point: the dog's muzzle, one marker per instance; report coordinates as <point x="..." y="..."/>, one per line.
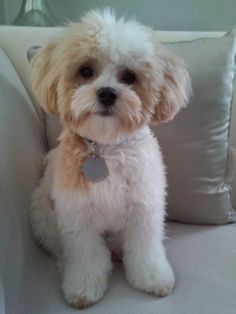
<point x="107" y="96"/>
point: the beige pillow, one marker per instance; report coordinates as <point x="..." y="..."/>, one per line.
<point x="196" y="143"/>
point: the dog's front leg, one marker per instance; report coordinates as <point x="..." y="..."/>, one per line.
<point x="145" y="261"/>
<point x="86" y="265"/>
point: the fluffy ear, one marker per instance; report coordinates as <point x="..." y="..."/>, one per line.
<point x="175" y="90"/>
<point x="45" y="78"/>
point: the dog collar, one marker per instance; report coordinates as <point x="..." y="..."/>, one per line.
<point x="93" y="167"/>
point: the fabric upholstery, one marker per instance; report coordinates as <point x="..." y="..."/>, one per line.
<point x="195" y="144"/>
<point x="203" y="258"/>
<point x="21" y="150"/>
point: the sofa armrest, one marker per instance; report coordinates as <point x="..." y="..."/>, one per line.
<point x="22" y="145"/>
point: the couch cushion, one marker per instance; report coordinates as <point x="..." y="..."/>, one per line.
<point x="195" y="144"/>
<point x="203" y="258"/>
<point x="21" y="151"/>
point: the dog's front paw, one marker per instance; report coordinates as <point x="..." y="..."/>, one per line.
<point x="155" y="278"/>
<point x="84" y="289"/>
<point x="78" y="302"/>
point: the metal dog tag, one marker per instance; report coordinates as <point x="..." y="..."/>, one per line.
<point x="94" y="168"/>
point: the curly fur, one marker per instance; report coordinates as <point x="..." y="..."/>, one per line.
<point x="71" y="216"/>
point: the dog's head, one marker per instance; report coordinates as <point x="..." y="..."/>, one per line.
<point x="105" y="78"/>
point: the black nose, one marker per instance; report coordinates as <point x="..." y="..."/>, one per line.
<point x="107" y="96"/>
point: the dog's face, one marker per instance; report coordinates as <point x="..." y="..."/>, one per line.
<point x="106" y="78"/>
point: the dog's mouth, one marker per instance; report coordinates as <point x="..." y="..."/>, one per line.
<point x="104" y="113"/>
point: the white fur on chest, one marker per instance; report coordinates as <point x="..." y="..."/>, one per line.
<point x="135" y="170"/>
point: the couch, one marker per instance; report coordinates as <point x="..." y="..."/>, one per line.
<point x="203" y="256"/>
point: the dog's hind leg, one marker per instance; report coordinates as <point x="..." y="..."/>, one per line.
<point x="43" y="218"/>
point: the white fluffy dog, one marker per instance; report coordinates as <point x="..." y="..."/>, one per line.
<point x="104" y="185"/>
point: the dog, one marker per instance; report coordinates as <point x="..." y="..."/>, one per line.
<point x="104" y="185"/>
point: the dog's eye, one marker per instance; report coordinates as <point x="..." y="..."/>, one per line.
<point x="128" y="77"/>
<point x="86" y="72"/>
